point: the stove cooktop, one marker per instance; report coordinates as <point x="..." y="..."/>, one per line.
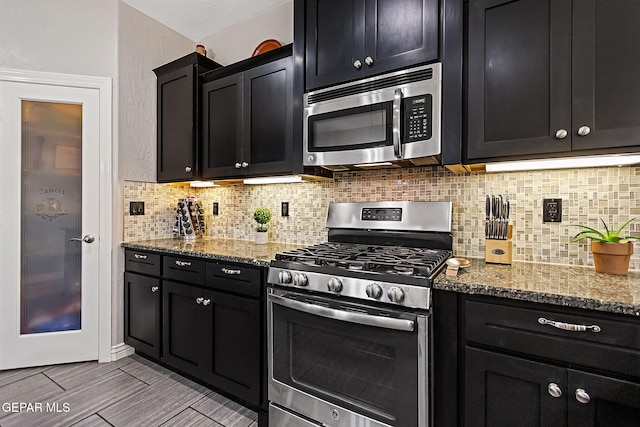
<point x="353" y="259"/>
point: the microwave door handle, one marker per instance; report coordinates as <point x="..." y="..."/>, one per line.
<point x="397" y="144"/>
<point x="346" y="316"/>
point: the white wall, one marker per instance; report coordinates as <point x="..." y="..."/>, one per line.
<point x="63" y="36"/>
<point x="238" y="41"/>
<point x="143" y="44"/>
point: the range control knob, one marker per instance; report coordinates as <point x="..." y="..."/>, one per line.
<point x="334" y="285"/>
<point x="284" y="277"/>
<point x="300" y="279"/>
<point x="395" y="294"/>
<point x="374" y="290"/>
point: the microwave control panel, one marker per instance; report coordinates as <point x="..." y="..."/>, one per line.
<point x="417" y="114"/>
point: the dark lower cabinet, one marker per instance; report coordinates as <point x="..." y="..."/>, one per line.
<point x="142" y="313"/>
<point x="236" y="342"/>
<point x="187" y="325"/>
<point x="210" y="326"/>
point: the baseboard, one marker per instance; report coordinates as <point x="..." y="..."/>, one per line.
<point x="121" y="350"/>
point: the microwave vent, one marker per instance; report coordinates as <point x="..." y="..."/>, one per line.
<point x="372" y="84"/>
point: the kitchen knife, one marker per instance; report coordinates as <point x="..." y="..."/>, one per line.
<point x="487" y="207"/>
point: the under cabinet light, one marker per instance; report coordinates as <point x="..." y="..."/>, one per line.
<point x="202" y="184"/>
<point x="274" y="180"/>
<point x="373" y="165"/>
<point x="564" y="163"/>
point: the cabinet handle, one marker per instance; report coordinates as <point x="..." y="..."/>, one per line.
<point x="199" y="300"/>
<point x="584" y="130"/>
<point x="183" y="263"/>
<point x="187" y="169"/>
<point x="138" y="256"/>
<point x="357" y="64"/>
<point x="229" y="271"/>
<point x="569" y="326"/>
<point x="154" y="289"/>
<point x="245" y="164"/>
<point x="238" y="165"/>
<point x="369" y="61"/>
<point x="561" y="133"/>
<point x="582" y="396"/>
<point x="554" y="390"/>
<point x="206" y="302"/>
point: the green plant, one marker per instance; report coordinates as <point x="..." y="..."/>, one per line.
<point x="608" y="236"/>
<point x="262" y="215"/>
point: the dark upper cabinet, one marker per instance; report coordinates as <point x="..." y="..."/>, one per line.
<point x="347" y="40"/>
<point x="248" y="120"/>
<point x="178" y="109"/>
<point x="552" y="77"/>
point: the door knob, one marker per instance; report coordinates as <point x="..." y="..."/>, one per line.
<point x="584" y="130"/>
<point x="582" y="396"/>
<point x="187" y="169"/>
<point x="561" y="134"/>
<point x="88" y="238"/>
<point x="245" y="164"/>
<point x="554" y="390"/>
<point x="357" y="64"/>
<point x="369" y="61"/>
<point x="238" y="165"/>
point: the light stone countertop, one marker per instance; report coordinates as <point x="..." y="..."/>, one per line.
<point x="568" y="286"/>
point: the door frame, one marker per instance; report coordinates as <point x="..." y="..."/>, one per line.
<point x="104" y="86"/>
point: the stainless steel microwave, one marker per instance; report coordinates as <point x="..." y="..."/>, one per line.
<point x="393" y="118"/>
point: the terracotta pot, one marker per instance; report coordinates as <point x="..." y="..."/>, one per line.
<point x="612" y="258"/>
<point x="261" y="237"/>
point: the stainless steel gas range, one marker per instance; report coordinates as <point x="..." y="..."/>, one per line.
<point x="349" y="320"/>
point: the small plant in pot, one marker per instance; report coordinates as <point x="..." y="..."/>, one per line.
<point x="611" y="251"/>
<point x="262" y="215"/>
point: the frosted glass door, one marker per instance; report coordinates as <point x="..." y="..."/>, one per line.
<point x="51" y="187"/>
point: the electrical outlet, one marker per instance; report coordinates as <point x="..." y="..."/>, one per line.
<point x="551" y="210"/>
<point x="284" y="210"/>
<point x="215" y="209"/>
<point x="136" y="208"/>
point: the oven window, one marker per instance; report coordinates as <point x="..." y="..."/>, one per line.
<point x="354" y="128"/>
<point x="370" y="370"/>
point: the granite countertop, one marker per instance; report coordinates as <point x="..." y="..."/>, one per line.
<point x="242" y="251"/>
<point x="569" y="286"/>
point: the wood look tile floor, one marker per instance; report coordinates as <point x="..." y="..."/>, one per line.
<point x="129" y="392"/>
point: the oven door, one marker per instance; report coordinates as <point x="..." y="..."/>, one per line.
<point x="344" y="364"/>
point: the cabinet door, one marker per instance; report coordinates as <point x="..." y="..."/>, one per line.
<point x="503" y="391"/>
<point x="606" y="66"/>
<point x="186" y="328"/>
<point x="142" y="313"/>
<point x="599" y="401"/>
<point x="519" y="78"/>
<point x="334" y="41"/>
<point x="222" y="127"/>
<point x="177" y="136"/>
<point x="268" y="118"/>
<point x="236" y="346"/>
<point x="399" y="34"/>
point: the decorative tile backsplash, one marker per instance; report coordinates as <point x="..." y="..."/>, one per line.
<point x="612" y="194"/>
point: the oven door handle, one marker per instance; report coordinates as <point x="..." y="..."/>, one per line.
<point x="345" y="316"/>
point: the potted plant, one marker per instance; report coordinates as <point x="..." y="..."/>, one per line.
<point x="611" y="252"/>
<point x="262" y="215"/>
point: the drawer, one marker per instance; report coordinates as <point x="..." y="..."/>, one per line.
<point x="238" y="279"/>
<point x="184" y="269"/>
<point x="142" y="262"/>
<point x="606" y="343"/>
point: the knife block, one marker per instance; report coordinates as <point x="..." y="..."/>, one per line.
<point x="499" y="251"/>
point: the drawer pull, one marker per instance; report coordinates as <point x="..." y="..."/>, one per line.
<point x="554" y="390"/>
<point x="183" y="263"/>
<point x="582" y="396"/>
<point x="229" y="271"/>
<point x="569" y="326"/>
<point x="154" y="289"/>
<point x="138" y="256"/>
